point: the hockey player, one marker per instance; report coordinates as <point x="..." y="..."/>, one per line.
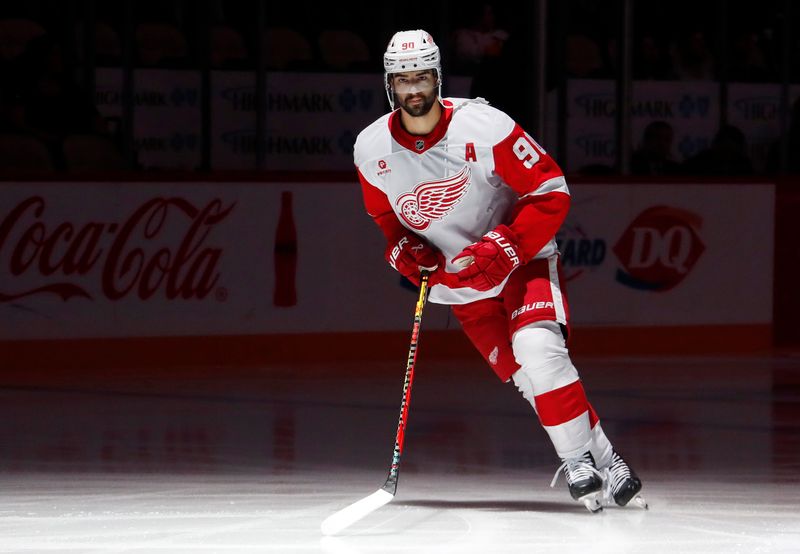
<point x="460" y="190"/>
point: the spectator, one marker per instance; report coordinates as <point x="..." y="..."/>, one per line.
<point x="654" y="156"/>
<point x="491" y="77"/>
<point x="727" y="155"/>
<point x="584" y="60"/>
<point x="774" y="154"/>
<point x="794" y="138"/>
<point x="749" y="62"/>
<point x="692" y="58"/>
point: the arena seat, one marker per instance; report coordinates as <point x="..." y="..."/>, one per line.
<point x="227" y="46"/>
<point x="158" y="44"/>
<point x="91" y="153"/>
<point x="15" y="35"/>
<point x="286" y="48"/>
<point x="24" y="153"/>
<point x="343" y="50"/>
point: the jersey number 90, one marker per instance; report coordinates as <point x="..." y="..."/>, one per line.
<point x="527" y="150"/>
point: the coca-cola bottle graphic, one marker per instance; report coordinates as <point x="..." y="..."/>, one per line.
<point x="285" y="293"/>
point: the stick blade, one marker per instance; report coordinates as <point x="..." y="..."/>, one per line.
<point x="354" y="512"/>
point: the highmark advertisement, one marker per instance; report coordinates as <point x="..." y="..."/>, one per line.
<point x="311" y="122"/>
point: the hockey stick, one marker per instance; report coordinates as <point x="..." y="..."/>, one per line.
<point x="356" y="511"/>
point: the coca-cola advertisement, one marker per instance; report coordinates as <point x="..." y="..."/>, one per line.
<point x="86" y="260"/>
<point x="135" y="256"/>
<point x="107" y="260"/>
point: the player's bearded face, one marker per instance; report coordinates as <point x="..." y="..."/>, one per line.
<point x="415" y="92"/>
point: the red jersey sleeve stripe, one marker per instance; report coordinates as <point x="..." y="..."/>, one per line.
<point x="375" y="201"/>
<point x="556" y="184"/>
<point x="522" y="164"/>
<point x="379" y="208"/>
<point x="536" y="219"/>
<point x="537" y="179"/>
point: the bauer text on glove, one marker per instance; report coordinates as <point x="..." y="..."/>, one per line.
<point x="409" y="255"/>
<point x="489" y="261"/>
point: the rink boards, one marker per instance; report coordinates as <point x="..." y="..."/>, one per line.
<point x="271" y="265"/>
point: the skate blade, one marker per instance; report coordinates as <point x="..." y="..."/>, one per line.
<point x="593" y="501"/>
<point x="640" y="502"/>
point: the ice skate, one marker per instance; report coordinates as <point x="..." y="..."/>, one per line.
<point x="621" y="484"/>
<point x="584" y="481"/>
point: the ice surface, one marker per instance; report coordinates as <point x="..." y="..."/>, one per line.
<point x="254" y="463"/>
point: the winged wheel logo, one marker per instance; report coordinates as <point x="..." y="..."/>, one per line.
<point x="431" y="200"/>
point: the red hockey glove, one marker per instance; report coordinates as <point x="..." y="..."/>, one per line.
<point x="409" y="255"/>
<point x="489" y="261"/>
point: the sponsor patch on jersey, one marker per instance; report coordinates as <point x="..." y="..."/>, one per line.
<point x="432" y="200"/>
<point x="383" y="168"/>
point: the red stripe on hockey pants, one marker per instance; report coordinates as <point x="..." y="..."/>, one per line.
<point x="563" y="404"/>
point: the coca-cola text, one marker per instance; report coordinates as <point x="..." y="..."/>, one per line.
<point x="135" y="256"/>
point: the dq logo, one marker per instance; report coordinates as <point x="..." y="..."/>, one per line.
<point x="659" y="248"/>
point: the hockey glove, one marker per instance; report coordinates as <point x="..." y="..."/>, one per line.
<point x="489" y="261"/>
<point x="409" y="255"/>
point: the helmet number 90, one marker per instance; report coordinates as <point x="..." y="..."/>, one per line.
<point x="526" y="151"/>
<point x="407" y="46"/>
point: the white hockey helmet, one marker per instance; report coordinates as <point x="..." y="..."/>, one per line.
<point x="411" y="51"/>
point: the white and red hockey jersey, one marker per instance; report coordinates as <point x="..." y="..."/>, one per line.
<point x="477" y="169"/>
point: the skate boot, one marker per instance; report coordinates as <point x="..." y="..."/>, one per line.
<point x="621" y="483"/>
<point x="584" y="481"/>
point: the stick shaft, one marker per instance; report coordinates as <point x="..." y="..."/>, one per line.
<point x="358" y="510"/>
<point x="391" y="482"/>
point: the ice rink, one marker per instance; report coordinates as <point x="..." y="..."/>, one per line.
<point x="253" y="462"/>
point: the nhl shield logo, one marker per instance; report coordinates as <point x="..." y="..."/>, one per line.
<point x="420" y="144"/>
